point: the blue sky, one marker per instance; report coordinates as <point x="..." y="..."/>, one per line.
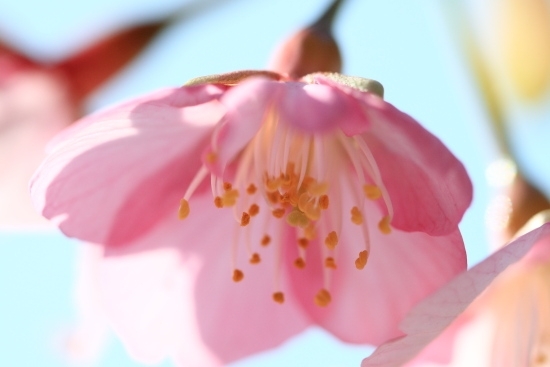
<point x="404" y="45"/>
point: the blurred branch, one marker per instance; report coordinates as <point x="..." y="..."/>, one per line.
<point x="461" y="26"/>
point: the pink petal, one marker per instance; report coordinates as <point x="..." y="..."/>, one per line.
<point x="307" y="107"/>
<point x="116" y="173"/>
<point x="429" y="188"/>
<point x="367" y="305"/>
<point x="171" y="293"/>
<point x="87" y="338"/>
<point x="429" y="318"/>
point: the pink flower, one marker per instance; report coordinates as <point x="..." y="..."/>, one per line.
<point x="325" y="205"/>
<point x="506" y="325"/>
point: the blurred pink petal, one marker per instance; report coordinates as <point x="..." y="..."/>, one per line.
<point x="282" y="189"/>
<point x="514" y="307"/>
<point x="171" y="293"/>
<point x="34" y="106"/>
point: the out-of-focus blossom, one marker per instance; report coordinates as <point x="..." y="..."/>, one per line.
<point x="523" y="31"/>
<point x="35" y="104"/>
<point x="37" y="100"/>
<point x="464" y="324"/>
<point x="308" y="201"/>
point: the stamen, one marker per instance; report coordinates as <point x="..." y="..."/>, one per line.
<point x="331" y="240"/>
<point x="323" y="202"/>
<point x="227" y="186"/>
<point x="278" y="213"/>
<point x="300" y="263"/>
<point x="251" y="189"/>
<point x="330" y="263"/>
<point x="229" y="197"/>
<point x="255" y="258"/>
<point x="183" y="211"/>
<point x="318" y="188"/>
<point x="356" y="216"/>
<point x="297" y="219"/>
<point x="266" y="240"/>
<point x="312" y="212"/>
<point x="303" y="242"/>
<point x="384" y="225"/>
<point x="361" y="260"/>
<point x="245" y="219"/>
<point x="279" y="297"/>
<point x="323" y="298"/>
<point x="218" y="202"/>
<point x="372" y="192"/>
<point x="253" y="210"/>
<point x="237" y="275"/>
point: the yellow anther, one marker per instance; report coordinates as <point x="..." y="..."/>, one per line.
<point x="245" y="219"/>
<point x="312" y="212"/>
<point x="331" y="240"/>
<point x="278" y="213"/>
<point x="272" y="184"/>
<point x="299" y="263"/>
<point x="330" y="263"/>
<point x="251" y="189"/>
<point x="384" y="225"/>
<point x="227" y="186"/>
<point x="302" y="201"/>
<point x="303" y="242"/>
<point x="211" y="157"/>
<point x="322" y="298"/>
<point x="218" y="202"/>
<point x="356" y="216"/>
<point x="237" y="275"/>
<point x="361" y="260"/>
<point x="228" y="201"/>
<point x="229" y="197"/>
<point x="372" y="192"/>
<point x="279" y="297"/>
<point x="297" y="219"/>
<point x="255" y="258"/>
<point x="318" y="188"/>
<point x="265" y="240"/>
<point x="253" y="210"/>
<point x="183" y="211"/>
<point x="231" y="193"/>
<point x="323" y="202"/>
<point x="290" y="197"/>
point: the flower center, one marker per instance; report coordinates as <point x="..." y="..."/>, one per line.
<point x="299" y="179"/>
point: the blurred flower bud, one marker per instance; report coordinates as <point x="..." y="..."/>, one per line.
<point x="519" y="202"/>
<point x="312" y="49"/>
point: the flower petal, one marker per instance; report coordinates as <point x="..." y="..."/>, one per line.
<point x="367" y="305"/>
<point x="131" y="164"/>
<point x="171" y="293"/>
<point x="429" y="188"/>
<point x="310" y="108"/>
<point x="430" y="317"/>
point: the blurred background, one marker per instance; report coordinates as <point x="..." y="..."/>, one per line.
<point x="449" y="64"/>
